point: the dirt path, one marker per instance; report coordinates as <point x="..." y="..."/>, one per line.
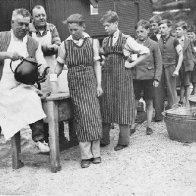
<point x="151" y="166"/>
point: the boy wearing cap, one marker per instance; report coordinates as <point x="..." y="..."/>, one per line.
<point x="80" y="53"/>
<point x="117" y="101"/>
<point x="188" y="64"/>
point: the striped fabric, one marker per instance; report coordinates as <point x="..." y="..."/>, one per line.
<point x="82" y="87"/>
<point x="117" y="102"/>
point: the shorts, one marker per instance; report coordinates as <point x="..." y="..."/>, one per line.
<point x="144" y="88"/>
<point x="185" y="78"/>
<point x="193" y="75"/>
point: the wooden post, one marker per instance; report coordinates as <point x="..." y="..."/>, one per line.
<point x="53" y="135"/>
<point x="16" y="150"/>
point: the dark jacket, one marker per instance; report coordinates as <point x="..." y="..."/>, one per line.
<point x="188" y="55"/>
<point x="151" y="68"/>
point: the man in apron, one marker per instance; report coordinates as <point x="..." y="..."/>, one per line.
<point x="47" y="35"/>
<point x="117" y="101"/>
<point x="80" y="53"/>
<point x="20" y="104"/>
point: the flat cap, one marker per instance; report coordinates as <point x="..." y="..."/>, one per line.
<point x="74" y="18"/>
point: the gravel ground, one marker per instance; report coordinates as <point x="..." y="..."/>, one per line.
<point x="151" y="166"/>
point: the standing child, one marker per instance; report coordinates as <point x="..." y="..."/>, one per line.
<point x="172" y="57"/>
<point x="80" y="54"/>
<point x="159" y="91"/>
<point x="117" y="102"/>
<point x="147" y="74"/>
<point x="188" y="64"/>
<point x="191" y="35"/>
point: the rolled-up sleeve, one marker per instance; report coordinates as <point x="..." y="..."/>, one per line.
<point x="61" y="54"/>
<point x="131" y="46"/>
<point x="96" y="56"/>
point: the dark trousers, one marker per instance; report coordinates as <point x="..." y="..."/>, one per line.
<point x="37" y="130"/>
<point x="159" y="99"/>
<point x="170" y="83"/>
<point x="40" y="132"/>
<point x="124" y="134"/>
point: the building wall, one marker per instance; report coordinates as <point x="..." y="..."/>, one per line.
<point x="129" y="11"/>
<point x="57" y="11"/>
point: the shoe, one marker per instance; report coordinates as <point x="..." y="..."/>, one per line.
<point x="149" y="131"/>
<point x="104" y="145"/>
<point x="158" y="120"/>
<point x="43" y="146"/>
<point x="96" y="160"/>
<point x="180" y="102"/>
<point x="132" y="131"/>
<point x="85" y="163"/>
<point x="119" y="147"/>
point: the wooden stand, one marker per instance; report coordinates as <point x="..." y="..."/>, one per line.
<point x="57" y="108"/>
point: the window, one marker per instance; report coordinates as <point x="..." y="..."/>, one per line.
<point x="94" y="10"/>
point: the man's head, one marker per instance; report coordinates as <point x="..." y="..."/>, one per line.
<point x="39" y="16"/>
<point x="181" y="28"/>
<point x="20" y="22"/>
<point x="110" y="22"/>
<point x="142" y="29"/>
<point x="154" y="23"/>
<point x="76" y="25"/>
<point x="165" y="27"/>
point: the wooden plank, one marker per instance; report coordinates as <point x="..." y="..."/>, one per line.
<point x="16" y="150"/>
<point x="54" y="135"/>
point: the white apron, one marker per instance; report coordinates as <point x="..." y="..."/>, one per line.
<point x="19" y="103"/>
<point x="62" y="84"/>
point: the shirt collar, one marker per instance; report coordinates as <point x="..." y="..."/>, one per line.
<point x="32" y="28"/>
<point x="144" y="41"/>
<point x="13" y="37"/>
<point x="116" y="33"/>
<point x="85" y="35"/>
<point x="181" y="38"/>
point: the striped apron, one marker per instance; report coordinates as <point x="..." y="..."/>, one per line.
<point x="82" y="86"/>
<point x="117" y="101"/>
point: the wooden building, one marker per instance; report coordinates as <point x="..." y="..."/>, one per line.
<point x="129" y="11"/>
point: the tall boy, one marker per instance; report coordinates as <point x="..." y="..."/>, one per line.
<point x="147" y="74"/>
<point x="159" y="91"/>
<point x="117" y="101"/>
<point x="188" y="64"/>
<point x="172" y="57"/>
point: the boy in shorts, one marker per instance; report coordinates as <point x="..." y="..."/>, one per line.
<point x="187" y="64"/>
<point x="147" y="74"/>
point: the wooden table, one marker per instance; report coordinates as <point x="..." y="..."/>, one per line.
<point x="57" y="107"/>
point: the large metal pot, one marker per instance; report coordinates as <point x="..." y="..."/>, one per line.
<point x="181" y="124"/>
<point x="192" y="101"/>
<point x="27" y="71"/>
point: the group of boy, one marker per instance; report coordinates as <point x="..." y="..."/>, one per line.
<point x="144" y="67"/>
<point x="171" y="60"/>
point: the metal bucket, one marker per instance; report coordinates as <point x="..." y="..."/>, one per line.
<point x="192" y="101"/>
<point x="181" y="124"/>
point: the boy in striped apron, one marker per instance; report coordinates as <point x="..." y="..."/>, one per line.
<point x="80" y="54"/>
<point x="117" y="101"/>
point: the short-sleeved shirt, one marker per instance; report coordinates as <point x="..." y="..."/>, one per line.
<point x="62" y="52"/>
